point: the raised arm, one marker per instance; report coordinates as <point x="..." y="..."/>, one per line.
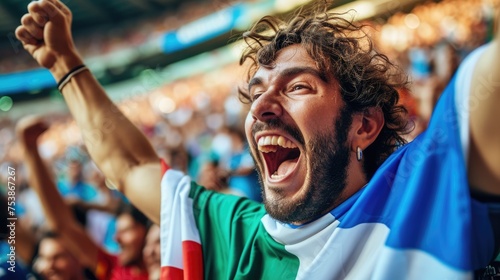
<point x="484" y="156"/>
<point x="119" y="149"/>
<point x="59" y="215"/>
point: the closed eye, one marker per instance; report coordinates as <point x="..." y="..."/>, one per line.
<point x="298" y="87"/>
<point x="255" y="96"/>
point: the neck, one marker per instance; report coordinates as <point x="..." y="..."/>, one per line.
<point x="356" y="180"/>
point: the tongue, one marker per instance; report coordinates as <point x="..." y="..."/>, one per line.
<point x="286" y="166"/>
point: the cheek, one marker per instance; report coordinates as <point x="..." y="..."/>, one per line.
<point x="248" y="125"/>
<point x="319" y="120"/>
<point x="249" y="121"/>
<point x="156" y="250"/>
<point x="146" y="251"/>
<point x="127" y="238"/>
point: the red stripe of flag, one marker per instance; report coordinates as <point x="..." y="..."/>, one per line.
<point x="192" y="259"/>
<point x="171" y="273"/>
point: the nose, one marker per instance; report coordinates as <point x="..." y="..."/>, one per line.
<point x="266" y="107"/>
<point x="118" y="237"/>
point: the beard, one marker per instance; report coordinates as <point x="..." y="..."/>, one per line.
<point x="328" y="156"/>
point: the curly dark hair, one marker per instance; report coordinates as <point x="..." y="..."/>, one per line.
<point x="367" y="78"/>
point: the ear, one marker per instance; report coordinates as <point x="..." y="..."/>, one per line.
<point x="366" y="127"/>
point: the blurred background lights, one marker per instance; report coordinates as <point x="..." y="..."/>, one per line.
<point x="6" y="103"/>
<point x="166" y="105"/>
<point x="412" y="21"/>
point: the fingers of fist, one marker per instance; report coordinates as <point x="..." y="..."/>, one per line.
<point x="39" y="13"/>
<point x="25" y="36"/>
<point x="31" y="127"/>
<point x="31" y="27"/>
<point x="48" y="9"/>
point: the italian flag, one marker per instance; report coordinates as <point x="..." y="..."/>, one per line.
<point x="181" y="254"/>
<point x="208" y="235"/>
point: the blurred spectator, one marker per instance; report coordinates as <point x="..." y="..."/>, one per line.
<point x="212" y="177"/>
<point x="420" y="63"/>
<point x="31" y="209"/>
<point x="74" y="186"/>
<point x="131" y="229"/>
<point x="55" y="262"/>
<point x="151" y="252"/>
<point x="101" y="213"/>
<point x="131" y="224"/>
<point x="239" y="164"/>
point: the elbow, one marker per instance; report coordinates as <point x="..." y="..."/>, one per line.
<point x="117" y="169"/>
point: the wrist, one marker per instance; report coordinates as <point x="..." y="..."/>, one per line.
<point x="30" y="147"/>
<point x="64" y="64"/>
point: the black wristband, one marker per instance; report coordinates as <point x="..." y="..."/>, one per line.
<point x="69" y="75"/>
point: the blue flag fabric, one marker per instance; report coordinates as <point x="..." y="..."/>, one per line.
<point x="421" y="193"/>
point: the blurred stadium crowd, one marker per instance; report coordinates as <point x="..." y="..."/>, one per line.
<point x="129" y="34"/>
<point x="195" y="123"/>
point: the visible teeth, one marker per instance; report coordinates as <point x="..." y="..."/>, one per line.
<point x="276" y="176"/>
<point x="266" y="143"/>
<point x="268" y="149"/>
<point x="282" y="141"/>
<point x="274" y="140"/>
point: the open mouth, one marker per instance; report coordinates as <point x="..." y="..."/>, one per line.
<point x="280" y="154"/>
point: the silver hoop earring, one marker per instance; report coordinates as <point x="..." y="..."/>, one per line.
<point x="359" y="154"/>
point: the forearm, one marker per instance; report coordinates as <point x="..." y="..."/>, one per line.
<point x="113" y="142"/>
<point x="57" y="212"/>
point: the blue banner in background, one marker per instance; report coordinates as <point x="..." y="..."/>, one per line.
<point x="26" y="81"/>
<point x="191" y="34"/>
<point x="196" y="32"/>
<point x="202" y="29"/>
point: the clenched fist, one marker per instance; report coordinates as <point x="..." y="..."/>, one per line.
<point x="29" y="129"/>
<point x="45" y="32"/>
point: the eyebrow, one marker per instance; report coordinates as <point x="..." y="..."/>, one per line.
<point x="290" y="72"/>
<point x="254" y="82"/>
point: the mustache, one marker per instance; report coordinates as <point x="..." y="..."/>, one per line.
<point x="278" y="125"/>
